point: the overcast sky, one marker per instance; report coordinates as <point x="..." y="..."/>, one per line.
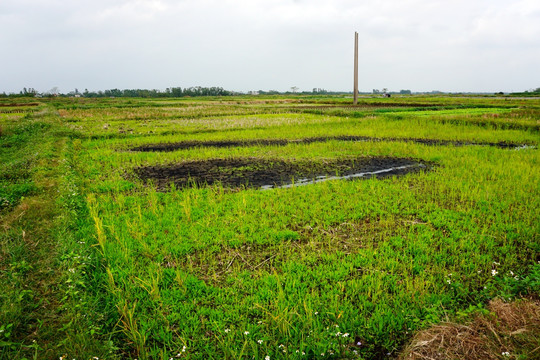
<point x="422" y="45"/>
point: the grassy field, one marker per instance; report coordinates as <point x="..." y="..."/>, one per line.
<point x="172" y="266"/>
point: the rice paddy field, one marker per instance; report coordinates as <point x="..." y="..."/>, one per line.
<point x="297" y="227"/>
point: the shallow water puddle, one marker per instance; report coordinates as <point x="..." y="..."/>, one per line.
<point x="525" y="147"/>
<point x="400" y="170"/>
<point x="273" y="173"/>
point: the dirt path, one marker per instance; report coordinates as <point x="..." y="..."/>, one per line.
<point x="28" y="260"/>
<point x="40" y="308"/>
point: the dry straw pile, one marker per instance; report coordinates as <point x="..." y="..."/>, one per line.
<point x="510" y="331"/>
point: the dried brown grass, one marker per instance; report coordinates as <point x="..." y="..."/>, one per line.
<point x="510" y="331"/>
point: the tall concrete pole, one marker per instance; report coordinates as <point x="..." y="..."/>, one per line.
<point x="355" y="96"/>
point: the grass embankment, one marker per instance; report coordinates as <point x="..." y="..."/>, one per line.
<point x="44" y="310"/>
<point x="342" y="268"/>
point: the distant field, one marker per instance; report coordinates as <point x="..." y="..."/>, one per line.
<point x="301" y="227"/>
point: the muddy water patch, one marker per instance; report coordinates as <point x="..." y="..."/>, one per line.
<point x="525" y="147"/>
<point x="185" y="145"/>
<point x="391" y="171"/>
<point x="270" y="173"/>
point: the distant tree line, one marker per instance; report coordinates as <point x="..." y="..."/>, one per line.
<point x="140" y="93"/>
<point x="174" y="92"/>
<point x="531" y="92"/>
<point x="209" y="91"/>
<point x="169" y="92"/>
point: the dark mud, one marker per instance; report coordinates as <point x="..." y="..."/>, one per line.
<point x="184" y="145"/>
<point x="366" y="105"/>
<point x="18" y="104"/>
<point x="268" y="173"/>
<point x="17" y="111"/>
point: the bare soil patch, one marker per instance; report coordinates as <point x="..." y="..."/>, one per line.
<point x="183" y="145"/>
<point x="295" y="244"/>
<point x="267" y="173"/>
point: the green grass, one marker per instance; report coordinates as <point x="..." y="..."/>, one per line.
<point x="211" y="272"/>
<point x="45" y="309"/>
